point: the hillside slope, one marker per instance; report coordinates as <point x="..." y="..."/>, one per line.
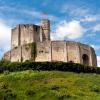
<point x="49" y="85"/>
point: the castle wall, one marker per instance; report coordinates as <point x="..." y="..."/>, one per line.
<point x="15" y="37"/>
<point x="43" y="51"/>
<point x="85" y="49"/>
<point x="53" y="51"/>
<point x="73" y="52"/>
<point x="26" y="33"/>
<point x="29" y="33"/>
<point x="16" y="54"/>
<point x="26" y="52"/>
<point x="7" y="56"/>
<point x="93" y="56"/>
<point x="23" y="35"/>
<point x="59" y="51"/>
<point x="36" y="33"/>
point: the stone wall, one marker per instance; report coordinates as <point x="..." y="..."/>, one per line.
<point x="36" y="30"/>
<point x="29" y="33"/>
<point x="26" y="52"/>
<point x="46" y="50"/>
<point x="85" y="49"/>
<point x="45" y="25"/>
<point x="73" y="53"/>
<point x="21" y="53"/>
<point x="54" y="51"/>
<point x="24" y="34"/>
<point x="15" y="34"/>
<point x="16" y="54"/>
<point x="7" y="56"/>
<point x="93" y="56"/>
<point x="59" y="51"/>
<point x="43" y="51"/>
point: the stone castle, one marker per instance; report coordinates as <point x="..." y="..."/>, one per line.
<point x="23" y="36"/>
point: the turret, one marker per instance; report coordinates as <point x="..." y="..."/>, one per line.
<point x="45" y="27"/>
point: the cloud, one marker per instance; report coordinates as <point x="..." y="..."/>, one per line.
<point x="70" y="30"/>
<point x="90" y="18"/>
<point x="82" y="13"/>
<point x="96" y="47"/>
<point x="5" y="35"/>
<point x="96" y="28"/>
<point x="98" y="60"/>
<point x="75" y="10"/>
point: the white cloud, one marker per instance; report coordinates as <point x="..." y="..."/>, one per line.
<point x="96" y="47"/>
<point x="75" y="10"/>
<point x="96" y="28"/>
<point x="5" y="35"/>
<point x="98" y="60"/>
<point x="82" y="13"/>
<point x="70" y="30"/>
<point x="90" y="18"/>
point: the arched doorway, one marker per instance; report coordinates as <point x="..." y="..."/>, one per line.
<point x="85" y="59"/>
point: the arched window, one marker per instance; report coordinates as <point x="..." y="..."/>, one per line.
<point x="85" y="59"/>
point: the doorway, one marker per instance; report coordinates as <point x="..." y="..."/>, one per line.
<point x="85" y="59"/>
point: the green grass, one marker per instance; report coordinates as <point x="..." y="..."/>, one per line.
<point x="49" y="85"/>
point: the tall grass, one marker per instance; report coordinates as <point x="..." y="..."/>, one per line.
<point x="49" y="85"/>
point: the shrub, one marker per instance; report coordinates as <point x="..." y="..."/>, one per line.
<point x="9" y="95"/>
<point x="61" y="66"/>
<point x="95" y="89"/>
<point x="6" y="72"/>
<point x="30" y="93"/>
<point x="4" y="86"/>
<point x="55" y="87"/>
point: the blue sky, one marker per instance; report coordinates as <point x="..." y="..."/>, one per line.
<point x="77" y="20"/>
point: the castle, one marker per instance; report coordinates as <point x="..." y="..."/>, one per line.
<point x="32" y="42"/>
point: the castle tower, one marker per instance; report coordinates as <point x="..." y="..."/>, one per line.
<point x="23" y="34"/>
<point x="45" y="27"/>
<point x="15" y="37"/>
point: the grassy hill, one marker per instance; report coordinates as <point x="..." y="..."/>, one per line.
<point x="49" y="85"/>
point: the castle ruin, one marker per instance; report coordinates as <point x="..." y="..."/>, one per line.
<point x="32" y="42"/>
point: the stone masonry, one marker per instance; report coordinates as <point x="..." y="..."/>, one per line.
<point x="46" y="50"/>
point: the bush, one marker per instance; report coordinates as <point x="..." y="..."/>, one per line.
<point x="9" y="95"/>
<point x="6" y="72"/>
<point x="55" y="88"/>
<point x="95" y="89"/>
<point x="61" y="66"/>
<point x="30" y="93"/>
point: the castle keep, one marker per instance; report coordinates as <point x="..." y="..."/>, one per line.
<point x="32" y="42"/>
